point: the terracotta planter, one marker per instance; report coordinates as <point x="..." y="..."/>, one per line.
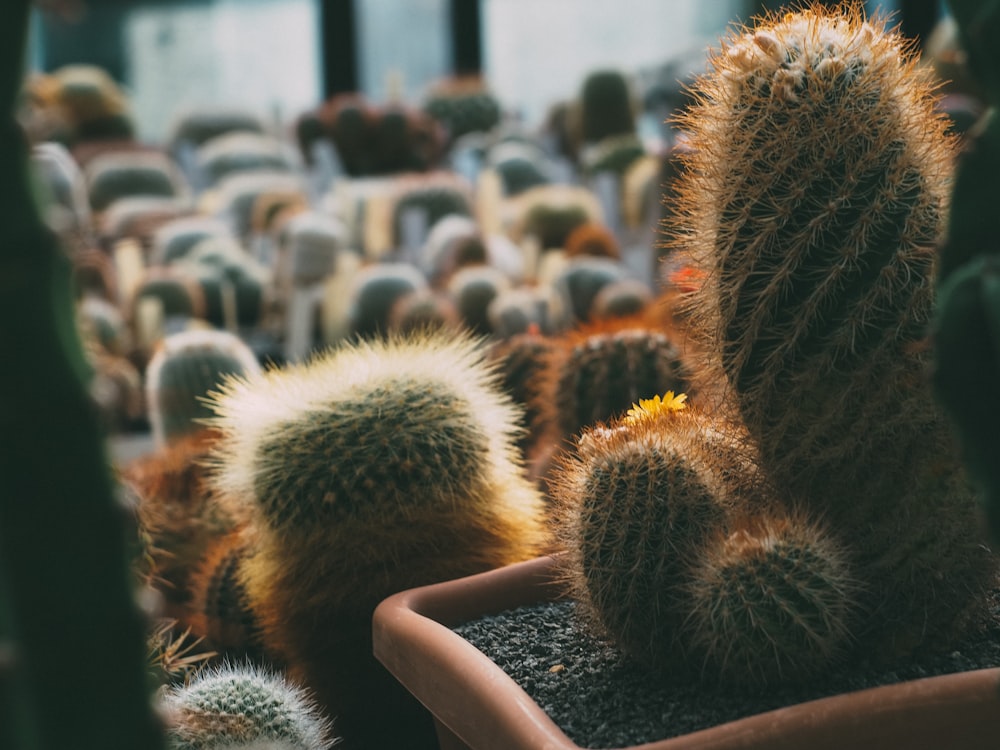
<point x="476" y="705"/>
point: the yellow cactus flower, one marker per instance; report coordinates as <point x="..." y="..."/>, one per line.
<point x="650" y="408"/>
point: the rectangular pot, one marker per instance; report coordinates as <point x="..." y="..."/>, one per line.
<point x="477" y="706"/>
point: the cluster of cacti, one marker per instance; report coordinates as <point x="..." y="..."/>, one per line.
<point x="811" y="202"/>
<point x="186" y="367"/>
<point x="965" y="342"/>
<point x="243" y="707"/>
<point x="462" y="107"/>
<point x="372" y="139"/>
<point x="373" y="468"/>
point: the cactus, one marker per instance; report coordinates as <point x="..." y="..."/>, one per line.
<point x="379" y="466"/>
<point x="177" y="515"/>
<point x="592" y="239"/>
<point x="774" y="601"/>
<point x="436" y="199"/>
<point x="813" y="196"/>
<point x="582" y="280"/>
<point x="243" y="707"/>
<point x="183" y="370"/>
<point x="518" y="174"/>
<point x="636" y="501"/>
<point x="520" y="360"/>
<point x="421" y="310"/>
<point x="613" y="154"/>
<point x="627" y="298"/>
<point x="62" y="541"/>
<point x="374" y="291"/>
<point x="965" y="325"/>
<point x="473" y="289"/>
<point x="595" y="373"/>
<point x="239" y="152"/>
<point x="605" y="106"/>
<point x="220" y="610"/>
<point x="114" y="176"/>
<point x="463" y="106"/>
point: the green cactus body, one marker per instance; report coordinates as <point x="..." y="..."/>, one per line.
<point x="179" y="293"/>
<point x="380" y="466"/>
<point x="637" y="501"/>
<point x="464" y="112"/>
<point x="771" y="603"/>
<point x="374" y="292"/>
<point x="606" y="107"/>
<point x="813" y="197"/>
<point x="600" y="371"/>
<point x="436" y="200"/>
<point x="582" y="280"/>
<point x="183" y="370"/>
<point x="521" y="360"/>
<point x="518" y="174"/>
<point x="231" y="707"/>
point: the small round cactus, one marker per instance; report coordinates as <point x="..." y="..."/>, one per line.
<point x="773" y="601"/>
<point x="232" y="707"/>
<point x="185" y="367"/>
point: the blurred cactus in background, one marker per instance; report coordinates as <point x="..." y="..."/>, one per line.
<point x="62" y="531"/>
<point x="966" y="334"/>
<point x="186" y="367"/>
<point x="462" y="106"/>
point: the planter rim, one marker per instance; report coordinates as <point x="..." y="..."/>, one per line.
<point x="477" y="701"/>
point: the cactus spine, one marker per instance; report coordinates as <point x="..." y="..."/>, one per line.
<point x="243" y="707"/>
<point x="813" y="198"/>
<point x="380" y="466"/>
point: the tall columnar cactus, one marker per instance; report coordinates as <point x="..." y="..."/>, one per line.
<point x="967" y="316"/>
<point x="377" y="467"/>
<point x="244" y="707"/>
<point x="184" y="369"/>
<point x="813" y="197"/>
<point x="595" y="373"/>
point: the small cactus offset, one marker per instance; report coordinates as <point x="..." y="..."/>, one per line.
<point x="185" y="367"/>
<point x="243" y="707"/>
<point x="377" y="467"/>
<point x="813" y="198"/>
<point x="773" y="601"/>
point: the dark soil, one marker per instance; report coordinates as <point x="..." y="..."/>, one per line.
<point x="600" y="699"/>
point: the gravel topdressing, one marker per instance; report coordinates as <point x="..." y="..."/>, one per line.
<point x="600" y="699"/>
